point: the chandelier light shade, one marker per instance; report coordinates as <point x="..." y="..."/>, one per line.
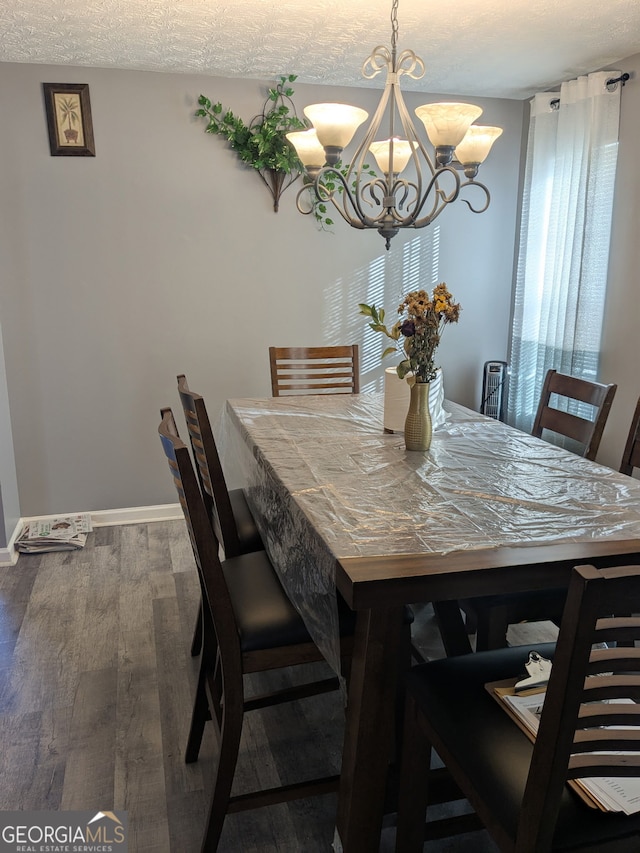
<point x="392" y="155"/>
<point x="475" y="146"/>
<point x="335" y="126"/>
<point x="310" y="152"/>
<point x="446" y="124"/>
<point x="416" y="182"/>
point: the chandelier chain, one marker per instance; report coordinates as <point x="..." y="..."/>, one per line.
<point x="394" y="25"/>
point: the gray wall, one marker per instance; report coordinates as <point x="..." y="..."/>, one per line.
<point x="162" y="255"/>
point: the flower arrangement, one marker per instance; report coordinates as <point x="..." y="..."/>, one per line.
<point x="418" y="331"/>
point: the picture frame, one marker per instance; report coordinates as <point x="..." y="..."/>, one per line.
<point x="68" y="110"/>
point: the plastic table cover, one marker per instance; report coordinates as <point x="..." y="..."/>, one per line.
<point x="324" y="482"/>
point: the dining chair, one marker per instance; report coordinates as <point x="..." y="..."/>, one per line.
<point x="314" y="370"/>
<point x="631" y="455"/>
<point x="249" y="625"/>
<point x="233" y="524"/>
<point x="490" y="617"/>
<point x="588" y="728"/>
<point x="586" y="431"/>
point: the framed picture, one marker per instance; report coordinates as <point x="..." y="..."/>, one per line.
<point x="69" y="119"/>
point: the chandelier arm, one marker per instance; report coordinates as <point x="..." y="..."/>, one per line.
<point x="402" y="186"/>
<point x="379" y="59"/>
<point x="409" y="63"/>
<point x="309" y="190"/>
<point x="373" y="188"/>
<point x="429" y="218"/>
<point x="304" y="192"/>
<point x="356" y="167"/>
<point x="406" y="188"/>
<point x="324" y="195"/>
<point x="472" y="183"/>
<point x="355" y="192"/>
<point x="441" y="198"/>
<point x="419" y="155"/>
<point x="354" y="202"/>
<point x="418" y="146"/>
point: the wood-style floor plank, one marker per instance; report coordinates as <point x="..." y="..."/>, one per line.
<point x="90" y="760"/>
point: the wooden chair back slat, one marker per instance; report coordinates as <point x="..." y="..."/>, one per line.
<point x="314" y="370"/>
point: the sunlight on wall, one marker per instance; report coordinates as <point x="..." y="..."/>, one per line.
<point x="382" y="282"/>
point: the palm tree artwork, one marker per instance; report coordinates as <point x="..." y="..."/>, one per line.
<point x="69" y="109"/>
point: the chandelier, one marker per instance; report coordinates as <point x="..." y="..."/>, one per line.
<point x="416" y="186"/>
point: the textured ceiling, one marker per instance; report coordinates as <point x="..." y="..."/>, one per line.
<point x="496" y="48"/>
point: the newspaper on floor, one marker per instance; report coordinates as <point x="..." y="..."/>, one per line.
<point x="63" y="533"/>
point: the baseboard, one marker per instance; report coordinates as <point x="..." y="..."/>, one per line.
<point x="136" y="515"/>
<point x="9" y="555"/>
<point x="102" y="518"/>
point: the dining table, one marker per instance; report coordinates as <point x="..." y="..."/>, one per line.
<point x="345" y="510"/>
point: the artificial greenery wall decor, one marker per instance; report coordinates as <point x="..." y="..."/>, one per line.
<point x="262" y="143"/>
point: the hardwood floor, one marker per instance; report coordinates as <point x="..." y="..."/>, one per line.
<point x="96" y="685"/>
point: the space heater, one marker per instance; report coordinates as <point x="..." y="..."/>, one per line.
<point x="494" y="389"/>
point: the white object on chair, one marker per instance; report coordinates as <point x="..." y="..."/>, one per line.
<point x="539" y="670"/>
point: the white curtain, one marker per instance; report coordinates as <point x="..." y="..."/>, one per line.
<point x="564" y="238"/>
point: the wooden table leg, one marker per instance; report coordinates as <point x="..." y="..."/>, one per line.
<point x="369" y="730"/>
<point x="452" y="629"/>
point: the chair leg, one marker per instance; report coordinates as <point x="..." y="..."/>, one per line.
<point x="345" y="668"/>
<point x="196" y="642"/>
<point x="199" y="717"/>
<point x="223" y="780"/>
<point x="470" y="616"/>
<point x="452" y="628"/>
<point x="404" y="665"/>
<point x="413" y="788"/>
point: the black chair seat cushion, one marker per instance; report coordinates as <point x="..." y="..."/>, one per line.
<point x="266" y="617"/>
<point x="484" y="740"/>
<point x="247" y="531"/>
